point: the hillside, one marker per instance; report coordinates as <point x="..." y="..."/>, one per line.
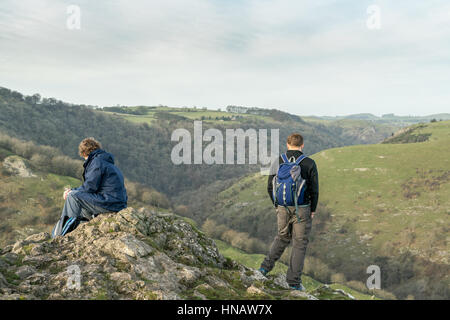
<point x="136" y="254"/>
<point x="386" y="204"/>
<point x="32" y="181"/>
<point x="30" y="201"/>
<point x="142" y="151"/>
<point x="366" y="131"/>
<point x="142" y="146"/>
<point x="349" y="130"/>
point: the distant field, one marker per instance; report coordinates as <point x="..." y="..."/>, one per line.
<point x="188" y="113"/>
<point x="363" y="131"/>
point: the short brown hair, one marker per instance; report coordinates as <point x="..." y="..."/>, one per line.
<point x="295" y="140"/>
<point x="87" y="146"/>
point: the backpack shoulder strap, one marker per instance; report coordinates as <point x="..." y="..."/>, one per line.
<point x="300" y="159"/>
<point x="284" y="157"/>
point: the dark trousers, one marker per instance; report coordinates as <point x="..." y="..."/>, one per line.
<point x="297" y="230"/>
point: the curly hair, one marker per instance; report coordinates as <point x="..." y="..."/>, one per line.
<point x="87" y="146"/>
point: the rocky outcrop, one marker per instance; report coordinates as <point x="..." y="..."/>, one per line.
<point x="133" y="254"/>
<point x="16" y="165"/>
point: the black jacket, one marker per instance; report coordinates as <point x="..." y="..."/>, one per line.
<point x="309" y="173"/>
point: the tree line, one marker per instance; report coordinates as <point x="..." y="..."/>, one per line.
<point x="49" y="159"/>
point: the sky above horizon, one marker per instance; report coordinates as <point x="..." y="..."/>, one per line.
<point x="304" y="57"/>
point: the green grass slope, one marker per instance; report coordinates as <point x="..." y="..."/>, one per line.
<point x="254" y="261"/>
<point x="29" y="205"/>
<point x="390" y="205"/>
<point x="384" y="204"/>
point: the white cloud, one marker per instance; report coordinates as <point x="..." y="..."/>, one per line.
<point x="306" y="57"/>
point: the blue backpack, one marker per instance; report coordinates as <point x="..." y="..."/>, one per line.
<point x="288" y="185"/>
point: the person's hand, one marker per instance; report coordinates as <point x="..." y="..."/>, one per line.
<point x="312" y="215"/>
<point x="66" y="193"/>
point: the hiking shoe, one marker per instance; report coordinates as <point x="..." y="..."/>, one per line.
<point x="299" y="287"/>
<point x="263" y="271"/>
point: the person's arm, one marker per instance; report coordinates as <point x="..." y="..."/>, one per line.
<point x="314" y="187"/>
<point x="66" y="193"/>
<point x="272" y="173"/>
<point x="93" y="177"/>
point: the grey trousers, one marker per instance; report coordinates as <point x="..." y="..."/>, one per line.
<point x="78" y="208"/>
<point x="75" y="211"/>
<point x="289" y="228"/>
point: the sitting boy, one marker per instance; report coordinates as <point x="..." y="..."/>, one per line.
<point x="103" y="189"/>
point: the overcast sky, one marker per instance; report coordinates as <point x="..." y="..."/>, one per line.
<point x="305" y="57"/>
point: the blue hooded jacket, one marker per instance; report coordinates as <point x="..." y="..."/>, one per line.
<point x="103" y="184"/>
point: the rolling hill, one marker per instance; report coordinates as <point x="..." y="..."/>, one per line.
<point x="141" y="145"/>
<point x="386" y="209"/>
<point x="386" y="119"/>
<point x="385" y="204"/>
<point x="352" y="130"/>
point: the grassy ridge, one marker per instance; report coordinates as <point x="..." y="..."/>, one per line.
<point x="143" y="151"/>
<point x="385" y="204"/>
<point x="390" y="204"/>
<point x="151" y="114"/>
<point x="385" y="190"/>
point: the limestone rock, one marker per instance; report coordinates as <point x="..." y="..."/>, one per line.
<point x="252" y="290"/>
<point x="301" y="294"/>
<point x="25" y="271"/>
<point x="18" y="166"/>
<point x="132" y="254"/>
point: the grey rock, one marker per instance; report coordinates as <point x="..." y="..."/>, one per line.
<point x="6" y="249"/>
<point x="345" y="294"/>
<point x="3" y="282"/>
<point x="11" y="258"/>
<point x="3" y="263"/>
<point x="39" y="260"/>
<point x="120" y="277"/>
<point x="25" y="271"/>
<point x="133" y="254"/>
<point x="301" y="294"/>
<point x="280" y="280"/>
<point x="39" y="237"/>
